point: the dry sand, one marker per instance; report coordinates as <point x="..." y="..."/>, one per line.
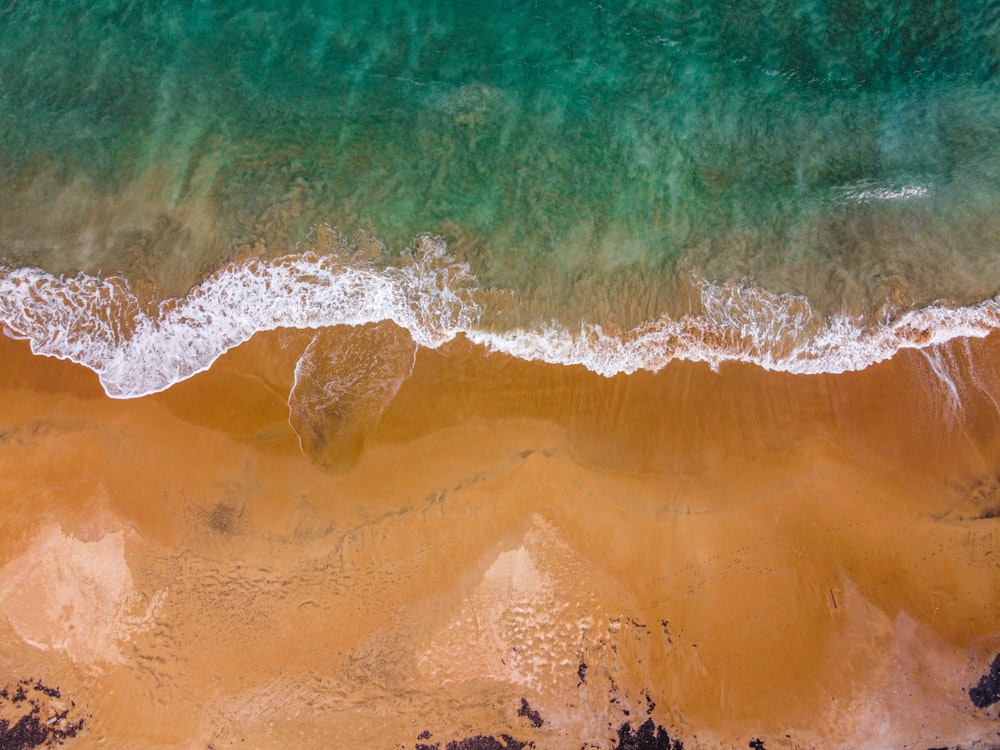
<point x="811" y="561"/>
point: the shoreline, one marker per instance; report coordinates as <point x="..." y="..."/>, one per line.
<point x="506" y="523"/>
<point x="141" y="345"/>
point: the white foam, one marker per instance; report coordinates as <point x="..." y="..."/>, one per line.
<point x="101" y="323"/>
<point x="776" y="332"/>
<point x="872" y="191"/>
<point x="946" y="371"/>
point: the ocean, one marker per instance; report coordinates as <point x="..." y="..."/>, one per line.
<point x="735" y="257"/>
<point x="807" y="186"/>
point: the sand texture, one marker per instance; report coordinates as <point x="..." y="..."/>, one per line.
<point x="523" y="553"/>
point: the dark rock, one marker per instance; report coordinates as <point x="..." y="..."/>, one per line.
<point x="647" y="737"/>
<point x="530" y="714"/>
<point x="581" y="672"/>
<point x="987" y="690"/>
<point x="39" y="723"/>
<point x="650" y="705"/>
<point x="424" y="735"/>
<point x="511" y="744"/>
<point x="27" y="732"/>
<point x="45" y="690"/>
<point x="756" y="744"/>
<point x="481" y="742"/>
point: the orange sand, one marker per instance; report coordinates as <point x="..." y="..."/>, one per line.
<point x="807" y="560"/>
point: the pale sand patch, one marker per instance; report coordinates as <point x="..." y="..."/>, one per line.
<point x="75" y="596"/>
<point x="515" y="603"/>
<point x="544" y="623"/>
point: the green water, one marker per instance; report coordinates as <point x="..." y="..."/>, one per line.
<point x="773" y="141"/>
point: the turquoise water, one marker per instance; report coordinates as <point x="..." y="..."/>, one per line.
<point x="848" y="150"/>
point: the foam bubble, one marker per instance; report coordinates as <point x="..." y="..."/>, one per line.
<point x="138" y="349"/>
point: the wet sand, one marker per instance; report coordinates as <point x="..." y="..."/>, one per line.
<point x="805" y="560"/>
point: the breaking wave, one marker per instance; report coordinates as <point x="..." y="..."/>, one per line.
<point x="138" y="347"/>
<point x="751" y="325"/>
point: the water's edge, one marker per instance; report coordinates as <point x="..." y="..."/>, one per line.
<point x="139" y="347"/>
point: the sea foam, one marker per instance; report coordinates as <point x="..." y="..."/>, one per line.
<point x="135" y="350"/>
<point x="139" y="348"/>
<point x="751" y="325"/>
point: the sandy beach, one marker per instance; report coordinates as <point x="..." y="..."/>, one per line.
<point x="524" y="552"/>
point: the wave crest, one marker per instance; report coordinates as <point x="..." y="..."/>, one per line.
<point x="138" y="348"/>
<point x="750" y="325"/>
<point x="104" y="325"/>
